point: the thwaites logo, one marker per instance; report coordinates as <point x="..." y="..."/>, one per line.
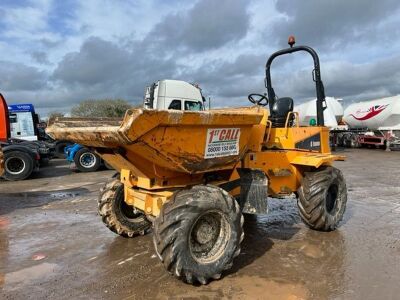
<point x="310" y="143"/>
<point x="222" y="142"/>
<point x="371" y="112"/>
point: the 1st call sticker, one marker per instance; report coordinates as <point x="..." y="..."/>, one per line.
<point x="222" y="142"/>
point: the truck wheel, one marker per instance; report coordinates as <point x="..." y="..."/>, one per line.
<point x="354" y="143"/>
<point x="322" y="198"/>
<point x="118" y="216"/>
<point x="59" y="149"/>
<point x="86" y="160"/>
<point x="18" y="165"/>
<point x="198" y="233"/>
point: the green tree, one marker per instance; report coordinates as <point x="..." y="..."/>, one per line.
<point x="111" y="108"/>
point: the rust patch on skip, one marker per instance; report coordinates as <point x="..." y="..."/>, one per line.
<point x="199" y="164"/>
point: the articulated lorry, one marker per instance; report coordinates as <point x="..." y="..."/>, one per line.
<point x="20" y="158"/>
<point x="25" y="125"/>
<point x="374" y="123"/>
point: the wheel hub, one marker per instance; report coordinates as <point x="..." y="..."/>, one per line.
<point x="87" y="160"/>
<point x="209" y="236"/>
<point x="128" y="211"/>
<point x="14" y="165"/>
<point x="206" y="230"/>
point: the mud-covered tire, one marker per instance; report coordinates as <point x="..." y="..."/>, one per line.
<point x="18" y="165"/>
<point x="322" y="198"/>
<point x="198" y="233"/>
<point x="118" y="216"/>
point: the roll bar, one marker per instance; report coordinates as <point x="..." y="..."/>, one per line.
<point x="321" y="105"/>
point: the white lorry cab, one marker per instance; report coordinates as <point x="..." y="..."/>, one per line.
<point x="173" y="94"/>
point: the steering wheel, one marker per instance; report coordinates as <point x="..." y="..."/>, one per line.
<point x="258" y="99"/>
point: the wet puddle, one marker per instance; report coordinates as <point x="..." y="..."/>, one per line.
<point x="40" y="272"/>
<point x="63" y="195"/>
<point x="243" y="288"/>
<point x="58" y="195"/>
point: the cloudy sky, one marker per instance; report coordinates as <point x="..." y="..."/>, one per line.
<point x="55" y="54"/>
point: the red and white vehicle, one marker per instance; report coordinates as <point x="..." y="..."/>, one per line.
<point x="381" y="114"/>
<point x="372" y="123"/>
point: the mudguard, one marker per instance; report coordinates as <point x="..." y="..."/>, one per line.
<point x="15" y="147"/>
<point x="316" y="160"/>
<point x="253" y="191"/>
<point x="71" y="150"/>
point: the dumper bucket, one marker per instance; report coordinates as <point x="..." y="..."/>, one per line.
<point x="181" y="141"/>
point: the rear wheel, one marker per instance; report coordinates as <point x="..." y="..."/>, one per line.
<point x="18" y="165"/>
<point x="198" y="233"/>
<point x="86" y="160"/>
<point x="322" y="198"/>
<point x="117" y="215"/>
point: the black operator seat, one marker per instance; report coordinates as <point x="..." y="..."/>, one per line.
<point x="280" y="110"/>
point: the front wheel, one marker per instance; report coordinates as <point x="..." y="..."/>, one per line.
<point x="198" y="233"/>
<point x="322" y="198"/>
<point x="18" y="165"/>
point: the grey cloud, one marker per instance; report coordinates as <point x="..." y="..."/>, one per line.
<point x="97" y="61"/>
<point x="49" y="43"/>
<point x="40" y="57"/>
<point x="229" y="83"/>
<point x="353" y="82"/>
<point x="17" y="76"/>
<point x="124" y="69"/>
<point x="104" y="69"/>
<point x="333" y="24"/>
<point x="208" y="25"/>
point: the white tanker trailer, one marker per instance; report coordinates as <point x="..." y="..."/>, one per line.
<point x="372" y="123"/>
<point x="381" y="114"/>
<point x="332" y="114"/>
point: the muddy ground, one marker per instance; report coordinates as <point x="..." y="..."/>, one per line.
<point x="53" y="244"/>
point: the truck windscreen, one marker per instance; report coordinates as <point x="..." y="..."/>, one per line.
<point x="193" y="105"/>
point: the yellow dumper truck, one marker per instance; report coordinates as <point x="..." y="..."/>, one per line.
<point x="190" y="176"/>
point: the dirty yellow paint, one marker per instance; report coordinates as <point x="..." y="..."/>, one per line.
<point x="159" y="152"/>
